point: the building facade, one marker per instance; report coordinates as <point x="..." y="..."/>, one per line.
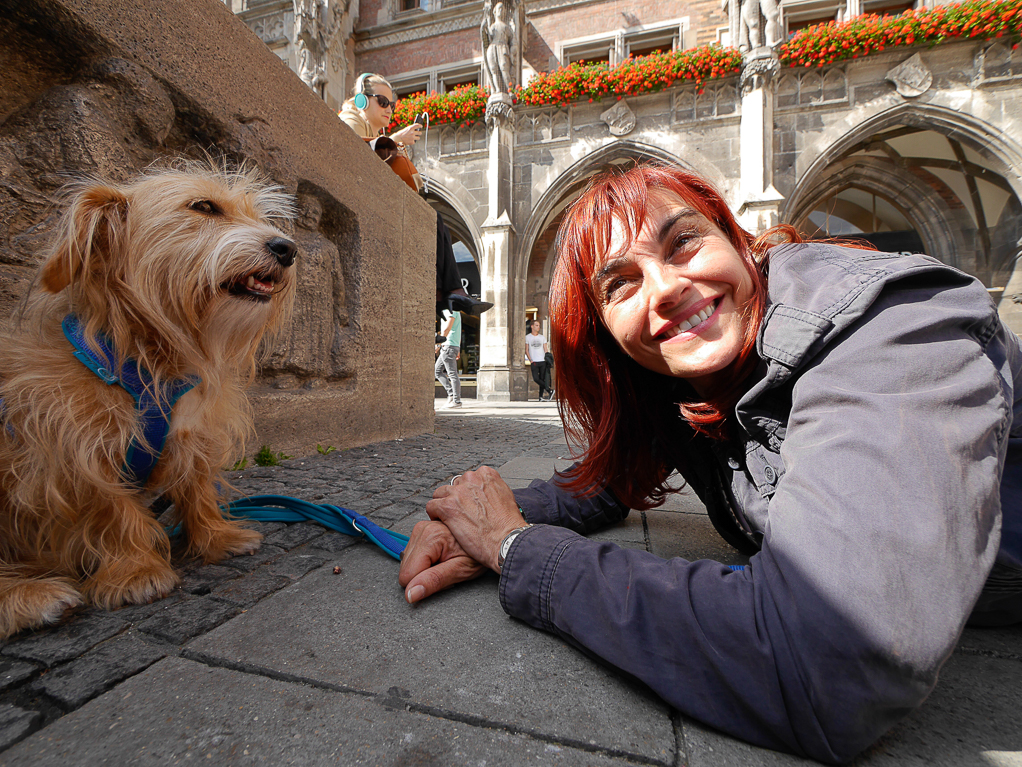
<point x="914" y="148"/>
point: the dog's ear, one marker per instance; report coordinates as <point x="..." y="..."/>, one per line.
<point x="91" y="233"/>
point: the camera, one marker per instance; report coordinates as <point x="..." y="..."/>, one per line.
<point x="421" y="119"/>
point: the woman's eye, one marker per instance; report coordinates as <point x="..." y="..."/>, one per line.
<point x="205" y="206"/>
<point x="614" y="287"/>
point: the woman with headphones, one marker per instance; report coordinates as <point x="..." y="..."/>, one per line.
<point x="368" y="112"/>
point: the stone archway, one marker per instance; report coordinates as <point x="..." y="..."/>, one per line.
<point x="956" y="180"/>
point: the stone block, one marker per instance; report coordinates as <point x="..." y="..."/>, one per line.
<point x="104" y="89"/>
<point x="53" y="646"/>
<point x="250" y="589"/>
<point x="75" y="683"/>
<point x="294" y="535"/>
<point x="297" y="564"/>
<point x="249" y="562"/>
<point x="16" y="723"/>
<point x="179" y="623"/>
<point x="205" y="579"/>
<point x="13" y="672"/>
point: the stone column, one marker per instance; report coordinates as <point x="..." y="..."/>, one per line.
<point x="759" y="202"/>
<point x="495" y="380"/>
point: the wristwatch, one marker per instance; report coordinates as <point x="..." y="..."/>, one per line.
<point x="505" y="545"/>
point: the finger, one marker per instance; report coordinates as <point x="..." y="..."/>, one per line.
<point x="441" y="576"/>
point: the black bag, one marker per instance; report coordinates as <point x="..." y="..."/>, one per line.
<point x="548" y="358"/>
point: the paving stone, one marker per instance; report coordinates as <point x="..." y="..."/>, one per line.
<point x="57" y="645"/>
<point x="266" y="528"/>
<point x="295" y="535"/>
<point x="138" y="613"/>
<point x="249" y="562"/>
<point x="75" y="683"/>
<point x="297" y="564"/>
<point x="970" y="720"/>
<point x="15" y="724"/>
<point x="187" y="619"/>
<point x="333" y="541"/>
<point x="457" y="652"/>
<point x="179" y="712"/>
<point x="690" y="536"/>
<point x="203" y="580"/>
<point x="13" y="672"/>
<point x="250" y="589"/>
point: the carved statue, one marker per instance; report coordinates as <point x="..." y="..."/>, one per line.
<point x="753" y="13"/>
<point x="498" y="32"/>
<point x="317" y="24"/>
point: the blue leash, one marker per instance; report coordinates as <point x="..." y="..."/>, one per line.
<point x="281" y="508"/>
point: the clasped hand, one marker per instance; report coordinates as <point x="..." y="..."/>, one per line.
<point x="469" y="521"/>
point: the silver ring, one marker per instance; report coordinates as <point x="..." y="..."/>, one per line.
<point x="457" y="476"/>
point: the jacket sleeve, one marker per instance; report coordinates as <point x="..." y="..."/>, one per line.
<point x="881" y="530"/>
<point x="550" y="503"/>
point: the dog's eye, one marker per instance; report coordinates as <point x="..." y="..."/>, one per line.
<point x="205" y="206"/>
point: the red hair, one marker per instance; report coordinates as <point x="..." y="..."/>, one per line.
<point x="629" y="416"/>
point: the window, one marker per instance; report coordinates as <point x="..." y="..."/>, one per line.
<point x="590" y="53"/>
<point x="614" y="47"/>
<point x="799" y="14"/>
<point x="441" y="79"/>
<point x="657" y="41"/>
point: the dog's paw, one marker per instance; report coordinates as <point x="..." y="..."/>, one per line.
<point x="225" y="542"/>
<point x="118" y="586"/>
<point x="30" y="603"/>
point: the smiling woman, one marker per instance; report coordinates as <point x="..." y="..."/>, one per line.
<point x="852" y="419"/>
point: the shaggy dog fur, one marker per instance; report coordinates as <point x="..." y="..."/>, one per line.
<point x="184" y="271"/>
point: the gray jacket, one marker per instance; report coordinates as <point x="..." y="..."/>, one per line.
<point x="869" y="470"/>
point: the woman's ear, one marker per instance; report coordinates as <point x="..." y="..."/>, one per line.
<point x="90" y="236"/>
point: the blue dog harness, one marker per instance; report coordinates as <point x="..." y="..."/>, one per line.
<point x="144" y="451"/>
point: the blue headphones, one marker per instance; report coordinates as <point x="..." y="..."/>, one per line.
<point x="361" y="99"/>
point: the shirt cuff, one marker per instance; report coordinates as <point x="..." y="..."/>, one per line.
<point x="529" y="570"/>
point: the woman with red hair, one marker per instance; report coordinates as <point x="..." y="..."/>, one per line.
<point x="851" y="419"/>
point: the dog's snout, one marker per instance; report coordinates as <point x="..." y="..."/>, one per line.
<point x="283" y="250"/>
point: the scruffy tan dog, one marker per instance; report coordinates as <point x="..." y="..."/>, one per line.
<point x="182" y="272"/>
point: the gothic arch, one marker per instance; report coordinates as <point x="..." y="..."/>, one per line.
<point x="461" y="223"/>
<point x="926" y="116"/>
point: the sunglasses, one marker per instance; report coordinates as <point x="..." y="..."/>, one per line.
<point x="384" y="102"/>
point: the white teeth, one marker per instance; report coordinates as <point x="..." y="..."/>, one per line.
<point x="691" y="322"/>
<point x="251" y="282"/>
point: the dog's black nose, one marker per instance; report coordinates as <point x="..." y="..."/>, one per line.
<point x="283" y="250"/>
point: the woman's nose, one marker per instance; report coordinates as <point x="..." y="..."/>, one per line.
<point x="665" y="284"/>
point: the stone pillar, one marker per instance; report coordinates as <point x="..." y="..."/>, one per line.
<point x="759" y="202"/>
<point x="495" y="380"/>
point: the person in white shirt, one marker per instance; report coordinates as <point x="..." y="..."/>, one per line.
<point x="446" y="369"/>
<point x="535" y="355"/>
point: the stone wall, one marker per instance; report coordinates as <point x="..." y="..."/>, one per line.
<point x="105" y="87"/>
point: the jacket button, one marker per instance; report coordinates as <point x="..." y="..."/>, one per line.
<point x="733" y="463"/>
<point x="769" y="475"/>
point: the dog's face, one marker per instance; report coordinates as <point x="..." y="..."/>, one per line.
<point x="192" y="252"/>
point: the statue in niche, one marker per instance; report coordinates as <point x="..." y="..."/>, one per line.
<point x="317" y="24"/>
<point x="751" y="19"/>
<point x="498" y="33"/>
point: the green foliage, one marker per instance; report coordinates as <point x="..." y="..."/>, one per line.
<point x="241" y="464"/>
<point x="266" y="457"/>
<point x="325" y="450"/>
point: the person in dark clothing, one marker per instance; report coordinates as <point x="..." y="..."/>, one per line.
<point x="851" y="419"/>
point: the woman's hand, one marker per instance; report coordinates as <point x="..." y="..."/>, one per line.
<point x="433" y="561"/>
<point x="479" y="509"/>
<point x="408" y="135"/>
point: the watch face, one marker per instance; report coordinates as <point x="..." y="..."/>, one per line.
<point x="507" y="546"/>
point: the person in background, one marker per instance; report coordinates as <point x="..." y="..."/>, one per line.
<point x="535" y="357"/>
<point x="368" y="112"/>
<point x="446" y="368"/>
<point x="851" y="419"/>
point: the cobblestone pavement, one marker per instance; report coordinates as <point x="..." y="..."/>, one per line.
<point x="46" y="674"/>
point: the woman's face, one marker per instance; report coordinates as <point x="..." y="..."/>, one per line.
<point x="378" y="117"/>
<point x="672" y="298"/>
